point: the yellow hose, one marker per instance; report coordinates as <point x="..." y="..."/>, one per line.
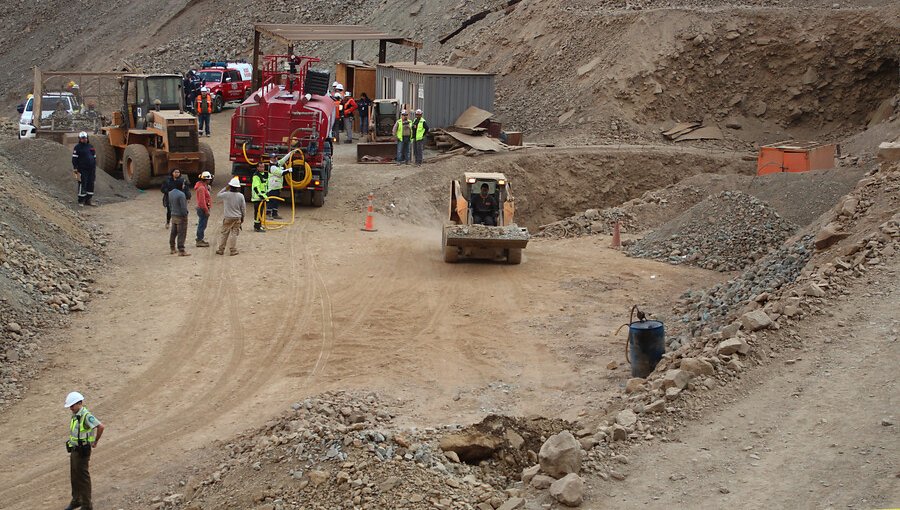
<point x="244" y="148"/>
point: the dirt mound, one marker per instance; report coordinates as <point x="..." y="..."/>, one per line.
<point x="47" y="256"/>
<point x="725" y="232"/>
<point x="51" y="164"/>
<point x="552" y="183"/>
<point x="798" y="197"/>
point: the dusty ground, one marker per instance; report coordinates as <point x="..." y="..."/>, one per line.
<point x="817" y="428"/>
<point x="179" y="352"/>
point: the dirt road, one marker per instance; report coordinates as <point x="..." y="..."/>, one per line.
<point x="183" y="351"/>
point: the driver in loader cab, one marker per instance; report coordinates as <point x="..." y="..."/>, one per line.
<point x="484" y="207"/>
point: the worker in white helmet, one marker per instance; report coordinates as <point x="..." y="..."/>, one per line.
<point x="403" y="132"/>
<point x="84" y="435"/>
<point x="419" y="129"/>
<point x="84" y="165"/>
<point x="204" y="108"/>
<point x="234" y="208"/>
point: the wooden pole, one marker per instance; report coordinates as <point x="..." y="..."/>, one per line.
<point x="257" y="74"/>
<point x="38" y="95"/>
<point x="352" y="50"/>
<point x="382" y="51"/>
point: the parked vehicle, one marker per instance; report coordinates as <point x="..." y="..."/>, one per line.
<point x="227" y="82"/>
<point x="50" y="102"/>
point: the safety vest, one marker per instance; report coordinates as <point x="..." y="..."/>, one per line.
<point x="258" y="188"/>
<point x="78" y="433"/>
<point x="276" y="179"/>
<point x="400" y="128"/>
<point x="204" y="105"/>
<point x="419" y="124"/>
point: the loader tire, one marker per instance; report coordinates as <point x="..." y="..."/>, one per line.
<point x="105" y="154"/>
<point x="136" y="166"/>
<point x="514" y="256"/>
<point x="207" y="159"/>
<point x="318" y="198"/>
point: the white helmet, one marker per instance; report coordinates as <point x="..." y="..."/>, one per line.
<point x="335" y="84"/>
<point x="403" y="112"/>
<point x="348" y="93"/>
<point x="73" y="398"/>
<point x="235" y="182"/>
<point x="339" y="87"/>
<point x="204" y="89"/>
<point x="83" y="134"/>
<point x="206" y="175"/>
<point x="418" y="111"/>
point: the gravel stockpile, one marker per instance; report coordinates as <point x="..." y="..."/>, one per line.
<point x="704" y="311"/>
<point x="725" y="232"/>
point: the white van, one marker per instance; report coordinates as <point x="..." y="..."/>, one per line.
<point x="49" y="102"/>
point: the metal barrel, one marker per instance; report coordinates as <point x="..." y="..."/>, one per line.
<point x="646" y="346"/>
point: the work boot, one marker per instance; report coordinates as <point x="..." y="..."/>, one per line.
<point x="220" y="252"/>
<point x="233" y="252"/>
<point x="184" y="254"/>
<point x="202" y="244"/>
<point x="171" y="251"/>
<point x="73" y="506"/>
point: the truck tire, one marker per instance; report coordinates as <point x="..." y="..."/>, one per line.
<point x="318" y="198"/>
<point x="218" y="103"/>
<point x="208" y="160"/>
<point x="514" y="256"/>
<point x="105" y="154"/>
<point x="136" y="166"/>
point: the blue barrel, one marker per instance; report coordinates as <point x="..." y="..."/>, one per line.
<point x="646" y="346"/>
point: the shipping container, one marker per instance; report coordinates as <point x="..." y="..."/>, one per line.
<point x="795" y="156"/>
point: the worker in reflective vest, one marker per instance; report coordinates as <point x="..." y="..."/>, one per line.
<point x="419" y="128"/>
<point x="403" y="130"/>
<point x="259" y="190"/>
<point x="84" y="434"/>
<point x="204" y="110"/>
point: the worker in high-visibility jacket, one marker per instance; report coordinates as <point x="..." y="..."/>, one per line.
<point x="259" y="190"/>
<point x="419" y="129"/>
<point x="338" y="113"/>
<point x="403" y="131"/>
<point x="277" y="169"/>
<point x="204" y="108"/>
<point x="84" y="434"/>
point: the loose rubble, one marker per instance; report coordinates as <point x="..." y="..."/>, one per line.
<point x="725" y="232"/>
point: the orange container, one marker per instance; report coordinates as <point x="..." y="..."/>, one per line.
<point x="795" y="157"/>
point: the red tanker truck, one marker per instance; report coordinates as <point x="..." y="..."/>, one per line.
<point x="289" y="111"/>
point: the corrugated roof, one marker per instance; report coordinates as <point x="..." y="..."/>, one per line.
<point x="434" y="69"/>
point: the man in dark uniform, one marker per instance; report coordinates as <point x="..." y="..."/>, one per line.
<point x="484" y="207"/>
<point x="84" y="434"/>
<point x="84" y="164"/>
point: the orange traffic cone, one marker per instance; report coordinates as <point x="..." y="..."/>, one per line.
<point x="370" y="219"/>
<point x="617" y="237"/>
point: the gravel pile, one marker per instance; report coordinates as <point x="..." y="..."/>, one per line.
<point x="726" y="232"/>
<point x="47" y="256"/>
<point x="704" y="311"/>
<point x="592" y="221"/>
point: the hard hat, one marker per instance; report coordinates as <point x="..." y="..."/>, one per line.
<point x="235" y="182"/>
<point x="339" y="87"/>
<point x="204" y="89"/>
<point x="272" y="155"/>
<point x="82" y="135"/>
<point x="403" y="112"/>
<point x="348" y="93"/>
<point x="418" y="112"/>
<point x="206" y="175"/>
<point x="335" y="84"/>
<point x="73" y="398"/>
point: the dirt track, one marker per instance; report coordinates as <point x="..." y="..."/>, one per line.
<point x="181" y="352"/>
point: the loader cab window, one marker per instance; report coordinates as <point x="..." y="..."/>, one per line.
<point x="167" y="90"/>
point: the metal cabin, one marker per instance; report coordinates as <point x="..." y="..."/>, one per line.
<point x="442" y="92"/>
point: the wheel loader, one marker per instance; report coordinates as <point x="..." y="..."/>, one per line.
<point x="462" y="238"/>
<point x="152" y="134"/>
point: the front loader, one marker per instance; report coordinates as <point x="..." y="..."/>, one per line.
<point x="152" y="134"/>
<point x="462" y="238"/>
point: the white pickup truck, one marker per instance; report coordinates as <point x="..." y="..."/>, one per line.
<point x="49" y="103"/>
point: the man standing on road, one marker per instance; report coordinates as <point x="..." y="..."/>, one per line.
<point x="403" y="130"/>
<point x="204" y="203"/>
<point x="84" y="434"/>
<point x="178" y="206"/>
<point x="484" y="207"/>
<point x="233" y="217"/>
<point x="169" y="185"/>
<point x="419" y="129"/>
<point x="349" y="105"/>
<point x="338" y="113"/>
<point x="204" y="110"/>
<point x="84" y="164"/>
<point x="363" y="104"/>
<point x="259" y="190"/>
